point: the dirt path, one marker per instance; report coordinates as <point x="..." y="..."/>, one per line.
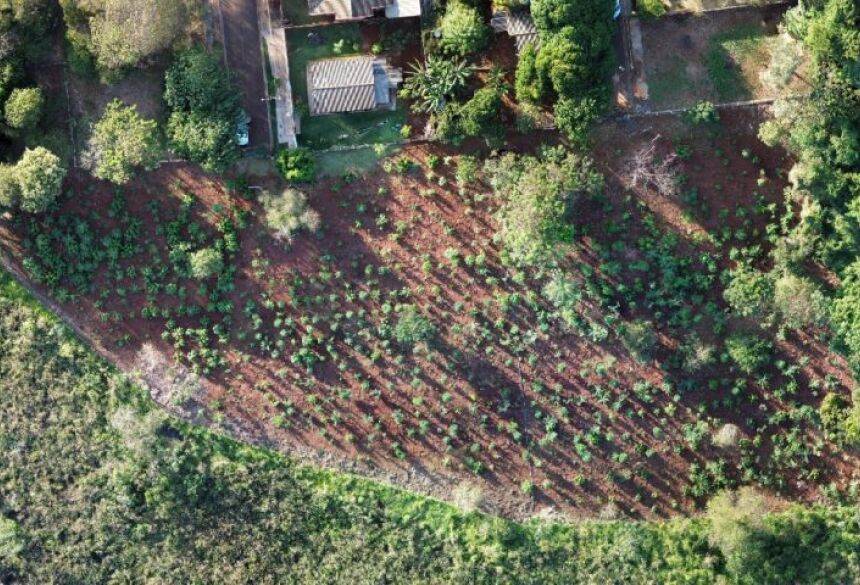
<point x="245" y="60"/>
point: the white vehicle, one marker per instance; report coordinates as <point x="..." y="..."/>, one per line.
<point x="243" y="130"/>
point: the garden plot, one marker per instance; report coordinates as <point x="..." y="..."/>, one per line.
<point x="719" y="57"/>
<point x="396" y="342"/>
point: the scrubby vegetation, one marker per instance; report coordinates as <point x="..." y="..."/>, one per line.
<point x="288" y="213"/>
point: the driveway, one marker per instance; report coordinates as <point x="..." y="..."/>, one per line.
<point x="241" y="34"/>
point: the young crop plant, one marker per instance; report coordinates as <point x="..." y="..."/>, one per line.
<point x="412" y="327"/>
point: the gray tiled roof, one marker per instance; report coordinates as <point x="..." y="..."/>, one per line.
<point x="341" y="85"/>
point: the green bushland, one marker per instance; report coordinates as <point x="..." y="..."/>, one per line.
<point x="99" y="486"/>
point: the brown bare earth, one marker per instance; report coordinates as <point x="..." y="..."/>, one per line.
<point x="504" y="395"/>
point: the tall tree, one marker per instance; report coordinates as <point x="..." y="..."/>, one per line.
<point x="122" y="141"/>
<point x="40" y="177"/>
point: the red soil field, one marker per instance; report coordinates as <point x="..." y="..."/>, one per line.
<point x="504" y="390"/>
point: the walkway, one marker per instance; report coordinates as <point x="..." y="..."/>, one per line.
<point x="276" y="47"/>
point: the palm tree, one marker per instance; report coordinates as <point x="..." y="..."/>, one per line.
<point x="434" y="82"/>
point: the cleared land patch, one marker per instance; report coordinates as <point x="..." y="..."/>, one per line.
<point x="718" y="57"/>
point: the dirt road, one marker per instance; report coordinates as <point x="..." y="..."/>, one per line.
<point x="244" y="58"/>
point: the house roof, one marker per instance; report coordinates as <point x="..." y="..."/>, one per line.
<point x="344" y="9"/>
<point x="519" y="25"/>
<point x="403" y="8"/>
<point x="344" y="84"/>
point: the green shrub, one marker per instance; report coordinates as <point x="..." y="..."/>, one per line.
<point x="467" y="170"/>
<point x="735" y="517"/>
<point x="481" y="115"/>
<point x="845" y="312"/>
<point x="749" y="291"/>
<point x="833" y="412"/>
<point x="297" y="165"/>
<point x="748" y="351"/>
<point x="536" y="195"/>
<point x="40" y="177"/>
<point x="9" y="189"/>
<point x="24" y="108"/>
<point x="652" y="8"/>
<point x="205" y="263"/>
<point x="121" y="141"/>
<point x="565" y="294"/>
<point x="639" y="339"/>
<point x="412" y="327"/>
<point x="463" y="29"/>
<point x="575" y="117"/>
<point x="703" y="113"/>
<point x="529" y="84"/>
<point x="799" y="301"/>
<point x="205" y="140"/>
<point x="205" y="110"/>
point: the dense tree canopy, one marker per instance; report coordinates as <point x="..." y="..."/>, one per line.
<point x="536" y="195"/>
<point x="123" y="33"/>
<point x="823" y="133"/>
<point x="121" y="141"/>
<point x="204" y="108"/>
<point x="463" y="29"/>
<point x="24" y="108"/>
<point x="572" y="65"/>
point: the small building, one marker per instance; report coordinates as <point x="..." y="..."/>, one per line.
<point x="358" y="9"/>
<point x="519" y="26"/>
<point x="352" y="84"/>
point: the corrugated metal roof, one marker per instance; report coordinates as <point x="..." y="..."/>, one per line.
<point x="341" y="85"/>
<point x="522" y="40"/>
<point x="521" y="23"/>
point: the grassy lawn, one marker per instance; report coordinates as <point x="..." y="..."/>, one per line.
<point x="320" y="132"/>
<point x="669" y="82"/>
<point x="734" y="60"/>
<point x="357" y="162"/>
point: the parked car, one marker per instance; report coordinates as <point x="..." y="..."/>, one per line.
<point x="243" y="129"/>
